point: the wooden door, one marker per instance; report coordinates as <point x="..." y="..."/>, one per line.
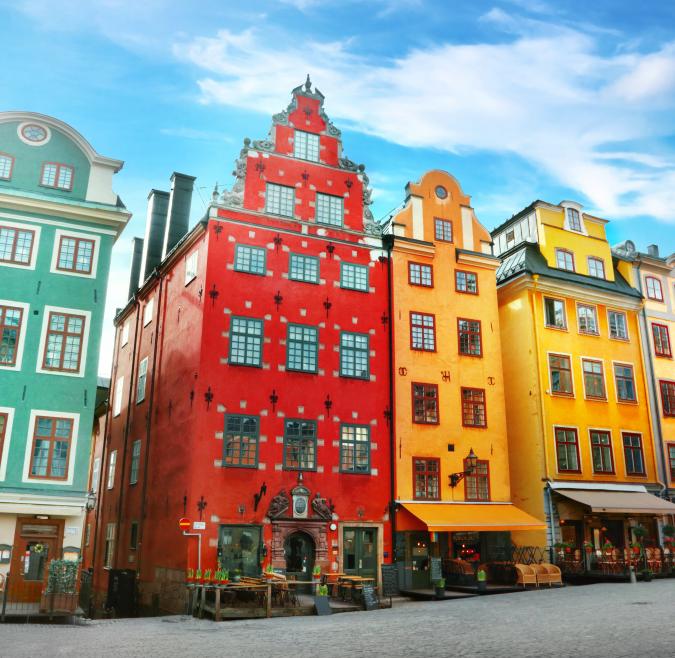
<point x="360" y="552"/>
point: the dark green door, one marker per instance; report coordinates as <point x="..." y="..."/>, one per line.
<point x="360" y="552"/>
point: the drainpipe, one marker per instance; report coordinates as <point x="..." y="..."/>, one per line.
<point x="392" y="432"/>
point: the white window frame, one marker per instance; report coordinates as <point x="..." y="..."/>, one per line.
<point x="282" y="189"/>
<point x="71" y="453"/>
<point x="303" y="152"/>
<point x="579" y="208"/>
<point x="148" y="311"/>
<point x="565" y="326"/>
<point x="43" y="339"/>
<point x="96" y="239"/>
<point x="109" y="548"/>
<point x="36" y="243"/>
<point x="609" y="327"/>
<point x="595" y="359"/>
<point x="125" y="334"/>
<point x="595" y="316"/>
<point x="8" y="437"/>
<point x="191" y="267"/>
<point x="118" y="395"/>
<point x="25" y="308"/>
<point x="112" y="467"/>
<point x="329" y="200"/>
<point x="141" y="381"/>
<point x="635" y="382"/>
<point x="96" y="473"/>
<point x="596" y="259"/>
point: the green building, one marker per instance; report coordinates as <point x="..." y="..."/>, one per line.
<point x="59" y="219"/>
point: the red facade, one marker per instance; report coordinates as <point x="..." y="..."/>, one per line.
<point x="265" y="406"/>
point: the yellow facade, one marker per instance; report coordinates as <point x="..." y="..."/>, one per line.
<point x="541" y="403"/>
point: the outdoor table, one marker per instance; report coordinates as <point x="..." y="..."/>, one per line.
<point x="352" y="583"/>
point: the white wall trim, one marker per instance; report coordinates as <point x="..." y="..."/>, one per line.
<point x="53" y="222"/>
<point x="8" y="437"/>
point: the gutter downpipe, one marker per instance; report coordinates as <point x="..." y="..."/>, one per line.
<point x="392" y="432"/>
<point x="542" y="415"/>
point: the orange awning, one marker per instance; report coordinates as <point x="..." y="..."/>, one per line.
<point x="473" y="517"/>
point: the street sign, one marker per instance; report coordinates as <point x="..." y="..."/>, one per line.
<point x="184" y="524"/>
<point x="199" y="525"/>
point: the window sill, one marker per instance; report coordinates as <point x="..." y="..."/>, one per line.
<point x="596" y="334"/>
<point x="559" y="394"/>
<point x="620" y="338"/>
<point x="551" y="326"/>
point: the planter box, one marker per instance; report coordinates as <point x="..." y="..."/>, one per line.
<point x="58" y="602"/>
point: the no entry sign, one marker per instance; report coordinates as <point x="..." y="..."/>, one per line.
<point x="184" y="524"/>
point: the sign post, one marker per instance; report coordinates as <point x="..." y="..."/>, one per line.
<point x="184" y="525"/>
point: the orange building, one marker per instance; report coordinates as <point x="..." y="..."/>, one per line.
<point x="452" y="488"/>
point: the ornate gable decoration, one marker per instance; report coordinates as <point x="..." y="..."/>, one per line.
<point x="296" y="505"/>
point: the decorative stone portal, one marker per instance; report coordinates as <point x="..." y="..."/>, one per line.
<point x="281" y="530"/>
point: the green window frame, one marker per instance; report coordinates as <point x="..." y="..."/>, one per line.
<point x="354" y="355"/>
<point x="240" y="441"/>
<point x="299" y="445"/>
<point x="246" y="342"/>
<point x="355" y="449"/>
<point x="354" y="277"/>
<point x="303" y="268"/>
<point x="252" y="260"/>
<point x="302" y="348"/>
<point x="329" y="209"/>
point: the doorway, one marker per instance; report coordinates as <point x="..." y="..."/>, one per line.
<point x="299" y="550"/>
<point x="360" y="552"/>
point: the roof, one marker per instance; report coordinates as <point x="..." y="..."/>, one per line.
<point x="516" y="217"/>
<point x="527" y="259"/>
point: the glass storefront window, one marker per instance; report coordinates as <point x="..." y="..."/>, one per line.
<point x="239" y="548"/>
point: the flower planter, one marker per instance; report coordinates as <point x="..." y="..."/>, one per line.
<point x="58" y="602"/>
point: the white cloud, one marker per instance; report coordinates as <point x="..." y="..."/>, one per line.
<point x="550" y="96"/>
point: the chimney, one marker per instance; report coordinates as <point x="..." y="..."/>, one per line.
<point x="136" y="258"/>
<point x="653" y="250"/>
<point x="155" y="224"/>
<point x="179" y="210"/>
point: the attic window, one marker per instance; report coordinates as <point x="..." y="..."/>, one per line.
<point x="6" y="166"/>
<point x="57" y="175"/>
<point x="510" y="236"/>
<point x="573" y="219"/>
<point x="306" y="146"/>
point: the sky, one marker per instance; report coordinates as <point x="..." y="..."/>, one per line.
<point x="518" y="99"/>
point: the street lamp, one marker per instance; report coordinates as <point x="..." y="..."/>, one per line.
<point x="471" y="462"/>
<point x="90" y="500"/>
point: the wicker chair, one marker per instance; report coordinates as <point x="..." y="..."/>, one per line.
<point x="526" y="575"/>
<point x="554" y="574"/>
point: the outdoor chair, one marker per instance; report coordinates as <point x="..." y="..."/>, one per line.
<point x="525" y="575"/>
<point x="542" y="574"/>
<point x="554" y="573"/>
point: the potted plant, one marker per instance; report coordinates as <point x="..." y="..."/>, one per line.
<point x="588" y="546"/>
<point x="668" y="537"/>
<point x="269" y="572"/>
<point x="481" y="580"/>
<point x="647" y="575"/>
<point x="236" y="575"/>
<point x="190" y="576"/>
<point x="199" y="579"/>
<point x="635" y="548"/>
<point x="607" y="547"/>
<point x="316" y="573"/>
<point x="439" y="588"/>
<point x="207" y="577"/>
<point x="224" y="576"/>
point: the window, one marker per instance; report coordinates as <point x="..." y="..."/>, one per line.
<point x="668" y="397"/>
<point x="596" y="267"/>
<point x="632" y="452"/>
<point x="671" y="460"/>
<point x="11" y="319"/>
<point x="56" y="175"/>
<point x="422" y="332"/>
<point x="300" y="445"/>
<point x="573" y="219"/>
<point x="427" y="472"/>
<point x="6" y="166"/>
<point x="477" y="483"/>
<point x="250" y="259"/>
<point x="280" y="200"/>
<point x="240" y="441"/>
<point x="4" y="421"/>
<point x="117" y="402"/>
<point x="560" y="369"/>
<point x="329" y="209"/>
<point x="554" y="310"/>
<point x="125" y="334"/>
<point x="111" y="469"/>
<point x="425" y="403"/>
<point x="564" y="260"/>
<point x="594" y="380"/>
<point x="304" y="268"/>
<point x="510" y="236"/>
<point x="63" y="345"/>
<point x="567" y="449"/>
<point x="191" y="267"/>
<point x="625" y="382"/>
<point x="466" y="282"/>
<point x="473" y="407"/>
<point x="87" y="535"/>
<point x="96" y="474"/>
<point x="148" y="311"/>
<point x="354" y="355"/>
<point x="443" y="230"/>
<point x="355" y="449"/>
<point x="469" y="337"/>
<point x="51" y="445"/>
<point x="142" y="376"/>
<point x="302" y="348"/>
<point x="601" y="451"/>
<point x="109" y="546"/>
<point x="306" y="146"/>
<point x="661" y="337"/>
<point x="420" y="275"/>
<point x="75" y="255"/>
<point x="246" y="338"/>
<point x="135" y="461"/>
<point x="587" y="318"/>
<point x="654" y="289"/>
<point x="354" y="277"/>
<point x="618" y="327"/>
<point x="133" y="535"/>
<point x="16" y="245"/>
<point x="239" y="548"/>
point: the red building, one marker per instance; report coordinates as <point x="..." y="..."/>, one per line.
<point x="250" y="384"/>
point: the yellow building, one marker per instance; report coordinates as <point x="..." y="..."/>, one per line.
<point x="451" y="458"/>
<point x="577" y="405"/>
<point x="654" y="276"/>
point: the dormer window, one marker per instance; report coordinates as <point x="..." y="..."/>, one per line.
<point x="6" y="166"/>
<point x="573" y="219"/>
<point x="56" y="175"/>
<point x="306" y="146"/>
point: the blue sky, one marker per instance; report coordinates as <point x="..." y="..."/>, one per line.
<point x="519" y="99"/>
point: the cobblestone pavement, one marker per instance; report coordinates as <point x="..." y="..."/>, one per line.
<point x="614" y="620"/>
